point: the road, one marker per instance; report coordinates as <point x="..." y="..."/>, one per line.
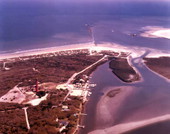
<point x="26" y="117"/>
<point x="75" y="74"/>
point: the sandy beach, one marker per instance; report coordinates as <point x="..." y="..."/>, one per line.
<point x="126" y="127"/>
<point x="43" y="51"/>
<point x="133" y="51"/>
<point x="156" y="32"/>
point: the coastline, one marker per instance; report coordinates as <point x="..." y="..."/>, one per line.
<point x="160" y="75"/>
<point x="124" y="71"/>
<point x="158" y="71"/>
<point x="156" y="32"/>
<point x="127" y="127"/>
<point x="90" y="46"/>
<point x="83" y="104"/>
<point x="133" y="51"/>
<point x="40" y="51"/>
<point x="92" y="50"/>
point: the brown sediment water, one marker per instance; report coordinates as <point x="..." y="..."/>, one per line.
<point x="135" y="102"/>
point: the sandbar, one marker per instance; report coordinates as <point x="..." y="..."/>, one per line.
<point x="156" y="32"/>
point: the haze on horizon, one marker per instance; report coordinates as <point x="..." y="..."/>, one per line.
<point x="79" y="1"/>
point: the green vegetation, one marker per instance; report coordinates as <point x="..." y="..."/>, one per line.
<point x="160" y="65"/>
<point x="42" y="118"/>
<point x="123" y="70"/>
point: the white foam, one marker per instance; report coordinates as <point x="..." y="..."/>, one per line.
<point x="156" y="32"/>
<point x="135" y="51"/>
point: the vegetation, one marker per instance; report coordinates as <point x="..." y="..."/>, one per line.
<point x="123" y="70"/>
<point x="113" y="93"/>
<point x="42" y="118"/>
<point x="160" y="65"/>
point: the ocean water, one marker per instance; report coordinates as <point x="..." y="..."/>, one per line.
<point x="36" y="24"/>
<point x="26" y="25"/>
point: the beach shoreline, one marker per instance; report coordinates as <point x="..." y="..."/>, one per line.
<point x="153" y="65"/>
<point x="133" y="51"/>
<point x="94" y="50"/>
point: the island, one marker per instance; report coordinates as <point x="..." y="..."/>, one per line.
<point x="123" y="70"/>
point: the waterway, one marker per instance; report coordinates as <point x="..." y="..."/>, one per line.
<point x="147" y="99"/>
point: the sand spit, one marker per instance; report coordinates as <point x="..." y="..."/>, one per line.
<point x="158" y="54"/>
<point x="107" y="106"/>
<point x="125" y="127"/>
<point x="156" y="32"/>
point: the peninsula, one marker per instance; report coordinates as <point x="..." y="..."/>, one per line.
<point x="47" y="91"/>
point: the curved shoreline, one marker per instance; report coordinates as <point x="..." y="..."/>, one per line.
<point x="102" y="104"/>
<point x="124" y="70"/>
<point x="126" y="127"/>
<point x="154" y="71"/>
<point x="122" y="97"/>
<point x="156" y="32"/>
<point x="133" y="51"/>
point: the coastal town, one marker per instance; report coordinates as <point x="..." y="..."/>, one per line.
<point x="36" y="92"/>
<point x="36" y="87"/>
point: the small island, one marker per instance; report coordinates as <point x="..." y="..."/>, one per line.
<point x="123" y="70"/>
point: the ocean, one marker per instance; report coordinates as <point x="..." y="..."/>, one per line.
<point x="26" y="25"/>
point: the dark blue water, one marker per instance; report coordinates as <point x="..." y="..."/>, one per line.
<point x="34" y="24"/>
